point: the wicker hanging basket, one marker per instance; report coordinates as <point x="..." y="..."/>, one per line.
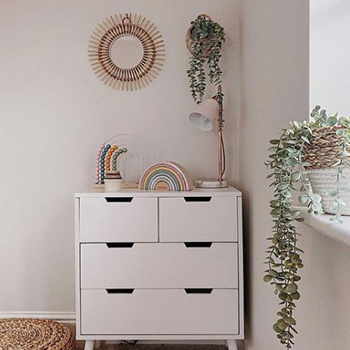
<point x="323" y="153"/>
<point x="204" y="41"/>
<point x="34" y="334"/>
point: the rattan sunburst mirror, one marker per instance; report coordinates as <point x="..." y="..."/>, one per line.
<point x="127" y="51"/>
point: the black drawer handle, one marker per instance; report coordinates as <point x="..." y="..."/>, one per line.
<point x="120" y="245"/>
<point x="198" y="244"/>
<point x="198" y="290"/>
<point x="119" y="199"/>
<point x="197" y="199"/>
<point x="120" y="291"/>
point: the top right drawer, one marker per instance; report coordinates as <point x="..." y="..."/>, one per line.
<point x="198" y="219"/>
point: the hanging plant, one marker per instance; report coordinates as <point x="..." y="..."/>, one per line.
<point x="204" y="40"/>
<point x="288" y="162"/>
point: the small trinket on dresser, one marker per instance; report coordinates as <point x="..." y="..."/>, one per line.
<point x="113" y="181"/>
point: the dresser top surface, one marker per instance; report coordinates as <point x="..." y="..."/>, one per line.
<point x="223" y="192"/>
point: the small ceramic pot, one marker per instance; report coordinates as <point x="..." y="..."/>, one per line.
<point x="325" y="180"/>
<point x="113" y="185"/>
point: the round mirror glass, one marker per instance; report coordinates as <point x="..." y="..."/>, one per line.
<point x="126" y="51"/>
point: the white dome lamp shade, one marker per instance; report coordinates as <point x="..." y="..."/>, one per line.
<point x="204" y="117"/>
<point x="205" y="114"/>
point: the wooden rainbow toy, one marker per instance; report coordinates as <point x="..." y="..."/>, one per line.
<point x="166" y="176"/>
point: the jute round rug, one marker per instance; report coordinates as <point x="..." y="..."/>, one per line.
<point x="34" y="334"/>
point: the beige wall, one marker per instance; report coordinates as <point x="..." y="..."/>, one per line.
<point x="274" y="90"/>
<point x="324" y="308"/>
<point x="55" y="114"/>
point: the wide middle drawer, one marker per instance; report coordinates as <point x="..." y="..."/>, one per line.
<point x="159" y="265"/>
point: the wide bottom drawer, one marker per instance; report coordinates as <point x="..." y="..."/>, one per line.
<point x="159" y="311"/>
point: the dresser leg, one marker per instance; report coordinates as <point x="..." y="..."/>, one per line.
<point x="89" y="345"/>
<point x="231" y="344"/>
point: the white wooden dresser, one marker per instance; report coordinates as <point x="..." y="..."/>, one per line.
<point x="159" y="266"/>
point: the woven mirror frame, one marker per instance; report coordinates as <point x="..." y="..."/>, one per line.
<point x="133" y="26"/>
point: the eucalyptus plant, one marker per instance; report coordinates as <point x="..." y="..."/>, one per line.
<point x="283" y="253"/>
<point x="206" y="39"/>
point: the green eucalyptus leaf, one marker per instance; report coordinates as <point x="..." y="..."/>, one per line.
<point x="331" y="121"/>
<point x="296" y="295"/>
<point x="290" y="320"/>
<point x="289" y="336"/>
<point x="332" y="193"/>
<point x="305" y="139"/>
<point x="267" y="278"/>
<point x="296" y="176"/>
<point x="340" y="201"/>
<point x="341" y="132"/>
<point x="303" y="199"/>
<point x="283" y="296"/>
<point x="306" y="164"/>
<point x="277" y="329"/>
<point x="281" y="324"/>
<point x="272" y="273"/>
<point x="316" y="197"/>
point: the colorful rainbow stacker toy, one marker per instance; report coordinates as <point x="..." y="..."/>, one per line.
<point x="166" y="176"/>
<point x="106" y="160"/>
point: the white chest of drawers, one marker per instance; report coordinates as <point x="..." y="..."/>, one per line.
<point x="159" y="266"/>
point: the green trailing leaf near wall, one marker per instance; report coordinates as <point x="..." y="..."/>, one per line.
<point x="288" y="163"/>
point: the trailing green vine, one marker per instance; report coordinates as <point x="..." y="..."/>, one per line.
<point x="206" y="39"/>
<point x="283" y="253"/>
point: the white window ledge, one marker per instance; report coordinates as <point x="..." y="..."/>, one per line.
<point x="321" y="223"/>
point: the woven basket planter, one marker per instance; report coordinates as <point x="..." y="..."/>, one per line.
<point x="324" y="148"/>
<point x="34" y="334"/>
<point x="323" y="153"/>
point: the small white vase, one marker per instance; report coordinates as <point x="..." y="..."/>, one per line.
<point x="113" y="185"/>
<point x="325" y="180"/>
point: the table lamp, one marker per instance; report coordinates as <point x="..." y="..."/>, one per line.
<point x="204" y="116"/>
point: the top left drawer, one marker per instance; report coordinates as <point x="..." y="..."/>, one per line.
<point x="118" y="219"/>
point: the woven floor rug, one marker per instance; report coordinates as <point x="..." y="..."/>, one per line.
<point x="34" y="334"/>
